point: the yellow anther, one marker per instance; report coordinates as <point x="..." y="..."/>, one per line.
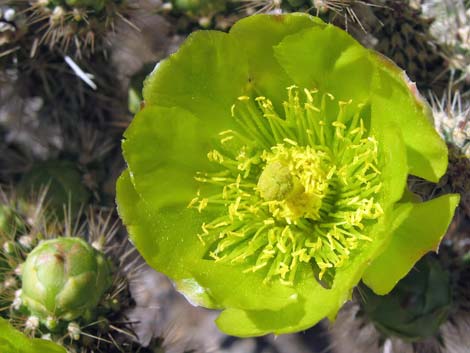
<point x="215" y="156"/>
<point x="225" y="132"/>
<point x="342" y="103"/>
<point x="312" y="107"/>
<point x="204" y="228"/>
<point x="233" y="208"/>
<point x="193" y="202"/>
<point x="220" y="224"/>
<point x="214" y="255"/>
<point x="202" y="204"/>
<point x="255" y="268"/>
<point x="338" y="124"/>
<point x="291" y="142"/>
<point x="282" y="270"/>
<point x="199" y="236"/>
<point x="226" y="139"/>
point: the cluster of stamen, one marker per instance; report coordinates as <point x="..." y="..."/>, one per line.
<point x="298" y="190"/>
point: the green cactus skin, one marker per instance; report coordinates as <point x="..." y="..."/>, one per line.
<point x="64" y="278"/>
<point x="9" y="221"/>
<point x="5" y="219"/>
<point x="63" y="182"/>
<point x="417" y="306"/>
<point x="296" y="3"/>
<point x="188" y="5"/>
<point x="96" y="5"/>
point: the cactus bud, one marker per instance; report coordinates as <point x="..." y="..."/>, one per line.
<point x="63" y="278"/>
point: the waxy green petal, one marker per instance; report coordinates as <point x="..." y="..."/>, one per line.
<point x="144" y="226"/>
<point x="394" y="161"/>
<point x="416" y="234"/>
<point x="13" y="341"/>
<point x="315" y="302"/>
<point x="204" y="77"/>
<point x="259" y="35"/>
<point x="178" y="255"/>
<point x="396" y="99"/>
<point x="156" y="149"/>
<point x="342" y="69"/>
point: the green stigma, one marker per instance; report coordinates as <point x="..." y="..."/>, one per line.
<point x="275" y="182"/>
<point x="291" y="190"/>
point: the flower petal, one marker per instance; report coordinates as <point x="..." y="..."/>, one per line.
<point x="167" y="239"/>
<point x="145" y="226"/>
<point x="415" y="234"/>
<point x="393" y="164"/>
<point x="164" y="148"/>
<point x="396" y="99"/>
<point x="328" y="59"/>
<point x="259" y="34"/>
<point x="13" y="341"/>
<point x="205" y="76"/>
<point x="315" y="302"/>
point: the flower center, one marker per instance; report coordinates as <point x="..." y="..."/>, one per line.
<point x="298" y="191"/>
<point x="294" y="181"/>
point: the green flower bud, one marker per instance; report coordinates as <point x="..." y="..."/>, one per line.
<point x="63" y="278"/>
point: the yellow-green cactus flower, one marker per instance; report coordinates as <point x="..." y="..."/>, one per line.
<point x="267" y="172"/>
